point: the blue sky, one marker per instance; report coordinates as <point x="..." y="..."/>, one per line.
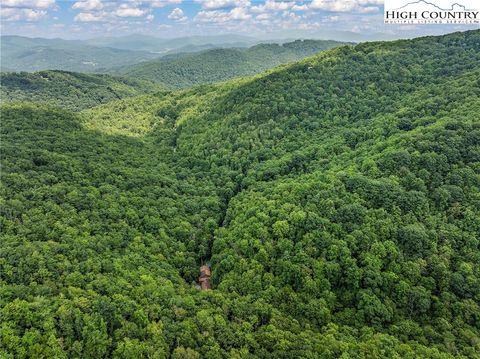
<point x="171" y="18"/>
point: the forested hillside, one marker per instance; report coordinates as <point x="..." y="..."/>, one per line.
<point x="70" y="90"/>
<point x="337" y="200"/>
<point x="184" y="70"/>
<point x="26" y="54"/>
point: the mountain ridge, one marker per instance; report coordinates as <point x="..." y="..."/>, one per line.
<point x="35" y="54"/>
<point x="179" y="71"/>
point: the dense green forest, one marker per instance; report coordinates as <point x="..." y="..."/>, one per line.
<point x="26" y="54"/>
<point x="19" y="53"/>
<point x="337" y="200"/>
<point x="70" y="90"/>
<point x="184" y="70"/>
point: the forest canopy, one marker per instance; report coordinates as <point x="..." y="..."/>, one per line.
<point x="70" y="90"/>
<point x="188" y="69"/>
<point x="337" y="200"/>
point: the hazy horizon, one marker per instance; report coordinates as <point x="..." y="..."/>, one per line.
<point x="274" y="37"/>
<point x="356" y="20"/>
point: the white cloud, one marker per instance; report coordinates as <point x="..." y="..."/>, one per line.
<point x="291" y="15"/>
<point x="371" y="2"/>
<point x="211" y="16"/>
<point x="217" y="16"/>
<point x="221" y="4"/>
<point x="368" y="9"/>
<point x="88" y="5"/>
<point x="88" y="17"/>
<point x="177" y="15"/>
<point x="15" y="14"/>
<point x="300" y="7"/>
<point x="360" y="6"/>
<point x="111" y="12"/>
<point x="31" y="4"/>
<point x="126" y="11"/>
<point x="329" y="5"/>
<point x="263" y="17"/>
<point x="162" y="3"/>
<point x="271" y="5"/>
<point x="239" y="13"/>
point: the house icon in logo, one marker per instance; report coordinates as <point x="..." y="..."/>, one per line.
<point x="424" y="4"/>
